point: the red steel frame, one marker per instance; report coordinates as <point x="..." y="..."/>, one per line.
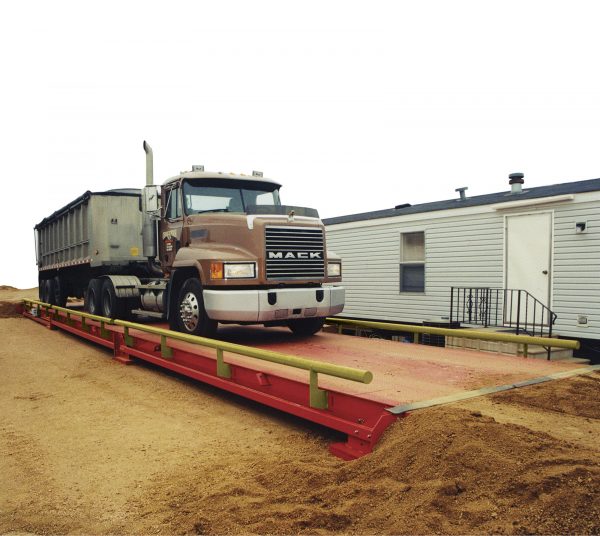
<point x="363" y="420"/>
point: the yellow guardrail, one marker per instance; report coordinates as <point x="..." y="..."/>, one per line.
<point x="318" y="397"/>
<point x="466" y="333"/>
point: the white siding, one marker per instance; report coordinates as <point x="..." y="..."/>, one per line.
<point x="576" y="279"/>
<point x="467" y="250"/>
<point x="459" y="251"/>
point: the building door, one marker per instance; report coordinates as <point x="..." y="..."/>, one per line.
<point x="528" y="262"/>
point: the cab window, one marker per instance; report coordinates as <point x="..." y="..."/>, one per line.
<point x="173" y="210"/>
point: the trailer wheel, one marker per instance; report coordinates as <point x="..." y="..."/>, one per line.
<point x="60" y="292"/>
<point x="51" y="292"/>
<point x="92" y="297"/>
<point x="110" y="304"/>
<point x="305" y="326"/>
<point x="43" y="290"/>
<point x="190" y="314"/>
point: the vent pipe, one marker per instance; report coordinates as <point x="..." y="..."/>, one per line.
<point x="461" y="191"/>
<point x="516" y="183"/>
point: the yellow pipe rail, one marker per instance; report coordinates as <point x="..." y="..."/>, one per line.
<point x="47" y="306"/>
<point x="339" y="371"/>
<point x="466" y="333"/>
<point x="318" y="397"/>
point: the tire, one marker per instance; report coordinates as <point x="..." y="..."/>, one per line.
<point x="92" y="297"/>
<point x="60" y="291"/>
<point x="305" y="327"/>
<point x="190" y="315"/>
<point x="51" y="292"/>
<point x="111" y="305"/>
<point x="43" y="290"/>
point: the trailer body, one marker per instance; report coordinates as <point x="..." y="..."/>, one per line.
<point x="96" y="234"/>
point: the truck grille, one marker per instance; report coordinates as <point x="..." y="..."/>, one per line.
<point x="294" y="253"/>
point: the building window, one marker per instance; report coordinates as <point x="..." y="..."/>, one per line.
<point x="412" y="262"/>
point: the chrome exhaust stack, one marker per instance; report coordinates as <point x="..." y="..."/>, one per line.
<point x="150" y="208"/>
<point x="149" y="164"/>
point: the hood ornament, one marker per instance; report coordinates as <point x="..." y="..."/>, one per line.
<point x="291" y="215"/>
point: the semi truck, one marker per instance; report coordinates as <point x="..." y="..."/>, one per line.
<point x="205" y="248"/>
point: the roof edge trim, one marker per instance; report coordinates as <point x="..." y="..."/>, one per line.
<point x="537" y="201"/>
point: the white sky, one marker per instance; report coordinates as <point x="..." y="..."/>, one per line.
<point x="353" y="106"/>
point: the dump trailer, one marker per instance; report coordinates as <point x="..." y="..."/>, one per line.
<point x="206" y="248"/>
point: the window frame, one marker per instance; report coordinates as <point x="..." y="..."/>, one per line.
<point x="175" y="190"/>
<point x="241" y="187"/>
<point x="421" y="263"/>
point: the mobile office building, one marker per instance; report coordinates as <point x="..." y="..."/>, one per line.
<point x="464" y="259"/>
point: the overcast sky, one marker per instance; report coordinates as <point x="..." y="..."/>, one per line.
<point x="353" y="106"/>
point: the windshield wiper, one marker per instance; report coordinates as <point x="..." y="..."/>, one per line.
<point x="211" y="210"/>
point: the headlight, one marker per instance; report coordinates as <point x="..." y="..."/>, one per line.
<point x="245" y="270"/>
<point x="232" y="270"/>
<point x="334" y="269"/>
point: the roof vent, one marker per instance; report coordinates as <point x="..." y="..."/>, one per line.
<point x="461" y="191"/>
<point x="516" y="182"/>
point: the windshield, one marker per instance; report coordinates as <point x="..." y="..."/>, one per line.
<point x="216" y="195"/>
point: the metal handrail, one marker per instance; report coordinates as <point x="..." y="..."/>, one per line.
<point x="317" y="396"/>
<point x="466" y="333"/>
<point x="339" y="371"/>
<point x="490" y="306"/>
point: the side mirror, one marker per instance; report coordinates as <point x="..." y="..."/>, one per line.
<point x="151" y="198"/>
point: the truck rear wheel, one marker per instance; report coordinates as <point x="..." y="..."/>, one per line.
<point x="60" y="292"/>
<point x="305" y="326"/>
<point x="43" y="290"/>
<point x="92" y="297"/>
<point x="50" y="292"/>
<point x="110" y="304"/>
<point x="190" y="314"/>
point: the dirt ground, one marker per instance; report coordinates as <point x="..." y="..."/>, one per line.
<point x="90" y="446"/>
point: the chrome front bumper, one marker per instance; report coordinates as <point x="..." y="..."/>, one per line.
<point x="276" y="304"/>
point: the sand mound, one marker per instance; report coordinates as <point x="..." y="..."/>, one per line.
<point x="440" y="471"/>
<point x="10" y="297"/>
<point x="12" y="294"/>
<point x="8" y="309"/>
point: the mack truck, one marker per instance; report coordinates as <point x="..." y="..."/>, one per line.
<point x="205" y="248"/>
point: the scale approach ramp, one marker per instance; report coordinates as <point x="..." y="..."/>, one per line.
<point x="354" y="385"/>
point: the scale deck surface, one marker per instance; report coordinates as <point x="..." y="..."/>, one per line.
<point x="402" y="372"/>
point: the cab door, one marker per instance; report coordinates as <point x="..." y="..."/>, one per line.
<point x="171" y="226"/>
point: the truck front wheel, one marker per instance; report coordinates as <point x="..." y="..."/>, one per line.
<point x="190" y="314"/>
<point x="305" y="326"/>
